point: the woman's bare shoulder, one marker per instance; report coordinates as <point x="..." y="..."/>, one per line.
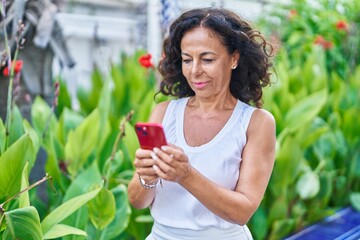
<point x="260" y="119"/>
<point x="158" y="112"/>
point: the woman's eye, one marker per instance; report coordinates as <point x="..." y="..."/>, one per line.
<point x="208" y="60"/>
<point x="186" y="60"/>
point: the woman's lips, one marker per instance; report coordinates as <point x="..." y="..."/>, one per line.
<point x="200" y="85"/>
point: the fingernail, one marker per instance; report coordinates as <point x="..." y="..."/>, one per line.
<point x="156" y="150"/>
<point x="155" y="167"/>
<point x="164" y="148"/>
<point x="153" y="156"/>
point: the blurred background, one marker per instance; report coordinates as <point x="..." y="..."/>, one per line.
<point x="96" y="32"/>
<point x="76" y="75"/>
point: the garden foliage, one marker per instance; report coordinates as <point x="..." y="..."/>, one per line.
<point x="314" y="99"/>
<point x="316" y="103"/>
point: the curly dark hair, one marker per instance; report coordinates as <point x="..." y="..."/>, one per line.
<point x="252" y="73"/>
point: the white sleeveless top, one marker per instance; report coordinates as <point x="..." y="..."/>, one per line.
<point x="218" y="160"/>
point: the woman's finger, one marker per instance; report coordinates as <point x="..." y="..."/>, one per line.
<point x="159" y="172"/>
<point x="142" y="153"/>
<point x="144" y="162"/>
<point x="166" y="154"/>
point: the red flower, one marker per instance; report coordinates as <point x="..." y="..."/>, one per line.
<point x="18" y="67"/>
<point x="320" y="40"/>
<point x="292" y="14"/>
<point x="145" y="61"/>
<point x="342" y="25"/>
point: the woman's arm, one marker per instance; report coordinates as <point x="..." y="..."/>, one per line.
<point x="139" y="196"/>
<point x="257" y="163"/>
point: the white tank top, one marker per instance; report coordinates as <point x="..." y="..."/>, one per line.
<point x="218" y="160"/>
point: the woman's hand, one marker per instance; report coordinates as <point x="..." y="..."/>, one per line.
<point x="171" y="163"/>
<point x="144" y="165"/>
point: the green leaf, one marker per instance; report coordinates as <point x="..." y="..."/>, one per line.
<point x="16" y="130"/>
<point x="311" y="132"/>
<point x="66" y="209"/>
<point x="259" y="222"/>
<point x="325" y="149"/>
<point x="142" y="114"/>
<point x="68" y="121"/>
<point x="305" y="110"/>
<point x="281" y="228"/>
<point x="129" y="142"/>
<point x="42" y="116"/>
<point x="355" y="200"/>
<point x="326" y="188"/>
<point x="278" y="210"/>
<point x="12" y="163"/>
<point x="60" y="230"/>
<point x="289" y="161"/>
<point x="112" y="165"/>
<point x="2" y="137"/>
<point x="64" y="98"/>
<point x="122" y="215"/>
<point x="144" y="219"/>
<point x="89" y="99"/>
<point x="23" y="224"/>
<point x="32" y="134"/>
<point x="119" y="90"/>
<point x="81" y="184"/>
<point x="102" y="209"/>
<point x="81" y="142"/>
<point x="308" y="185"/>
<point x="24" y="200"/>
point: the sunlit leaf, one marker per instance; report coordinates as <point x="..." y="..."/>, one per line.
<point x="81" y="142"/>
<point x="305" y="110"/>
<point x="66" y="209"/>
<point x="355" y="200"/>
<point x="69" y="120"/>
<point x="129" y="142"/>
<point x="23" y="223"/>
<point x="17" y="129"/>
<point x="259" y="221"/>
<point x="12" y="163"/>
<point x="24" y="200"/>
<point x="308" y="185"/>
<point x="42" y="117"/>
<point x="281" y="228"/>
<point x="122" y="215"/>
<point x="80" y="185"/>
<point x="144" y="219"/>
<point x="102" y="209"/>
<point x="2" y="137"/>
<point x="289" y="161"/>
<point x="61" y="230"/>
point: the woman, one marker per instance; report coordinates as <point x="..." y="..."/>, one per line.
<point x="210" y="179"/>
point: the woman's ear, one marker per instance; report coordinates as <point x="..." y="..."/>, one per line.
<point x="235" y="59"/>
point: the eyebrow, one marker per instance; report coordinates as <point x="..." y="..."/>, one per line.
<point x="201" y="54"/>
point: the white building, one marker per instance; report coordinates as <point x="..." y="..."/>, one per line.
<point x="97" y="31"/>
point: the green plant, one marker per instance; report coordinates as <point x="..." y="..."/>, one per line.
<point x="331" y="24"/>
<point x="317" y="146"/>
<point x="99" y="142"/>
<point x="19" y="145"/>
<point x="315" y="101"/>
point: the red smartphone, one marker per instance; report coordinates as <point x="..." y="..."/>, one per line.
<point x="150" y="135"/>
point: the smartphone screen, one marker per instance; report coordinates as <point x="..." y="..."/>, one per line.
<point x="150" y="135"/>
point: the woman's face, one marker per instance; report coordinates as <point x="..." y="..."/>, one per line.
<point x="206" y="63"/>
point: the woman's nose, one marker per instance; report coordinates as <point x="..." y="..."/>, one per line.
<point x="196" y="68"/>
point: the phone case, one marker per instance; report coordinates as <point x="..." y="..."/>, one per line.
<point x="150" y="135"/>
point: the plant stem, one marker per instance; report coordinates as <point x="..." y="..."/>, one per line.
<point x="9" y="97"/>
<point x="25" y="189"/>
<point x="120" y="135"/>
